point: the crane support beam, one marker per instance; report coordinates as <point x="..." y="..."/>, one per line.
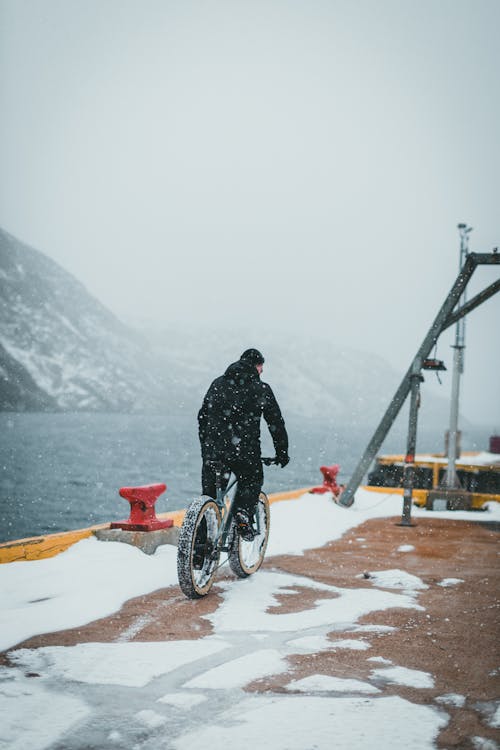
<point x="472" y="303"/>
<point x="439" y="324"/>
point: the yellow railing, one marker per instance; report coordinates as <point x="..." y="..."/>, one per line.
<point x="478" y="499"/>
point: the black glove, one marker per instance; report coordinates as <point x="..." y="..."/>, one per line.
<point x="283" y="459"/>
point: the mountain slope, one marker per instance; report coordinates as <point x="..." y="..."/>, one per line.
<point x="60" y="347"/>
<point x="18" y="389"/>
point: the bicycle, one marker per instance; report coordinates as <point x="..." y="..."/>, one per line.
<point x="209" y="528"/>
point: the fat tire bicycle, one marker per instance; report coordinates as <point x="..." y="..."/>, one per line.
<point x="209" y="528"/>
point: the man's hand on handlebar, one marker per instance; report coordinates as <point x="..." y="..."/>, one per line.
<point x="282" y="459"/>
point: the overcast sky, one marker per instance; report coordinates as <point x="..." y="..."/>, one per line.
<point x="297" y="166"/>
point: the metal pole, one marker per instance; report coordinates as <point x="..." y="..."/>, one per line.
<point x="451" y="480"/>
<point x="409" y="470"/>
<point x="347" y="496"/>
<point x="451" y="477"/>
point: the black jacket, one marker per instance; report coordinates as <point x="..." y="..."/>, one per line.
<point x="229" y="419"/>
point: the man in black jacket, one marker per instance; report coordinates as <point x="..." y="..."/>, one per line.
<point x="229" y="430"/>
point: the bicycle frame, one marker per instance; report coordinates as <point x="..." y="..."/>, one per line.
<point x="221" y="491"/>
<point x="226" y="510"/>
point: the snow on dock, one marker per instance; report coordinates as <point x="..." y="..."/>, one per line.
<point x="273" y="665"/>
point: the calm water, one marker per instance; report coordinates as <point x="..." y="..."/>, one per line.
<point x="63" y="471"/>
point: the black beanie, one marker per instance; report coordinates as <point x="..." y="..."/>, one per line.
<point x="253" y="356"/>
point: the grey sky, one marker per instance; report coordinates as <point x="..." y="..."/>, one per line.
<point x="297" y="165"/>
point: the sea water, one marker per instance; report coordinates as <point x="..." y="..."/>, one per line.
<point x="63" y="471"/>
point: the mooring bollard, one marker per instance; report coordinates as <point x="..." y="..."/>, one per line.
<point x="142" y="509"/>
<point x="329" y="481"/>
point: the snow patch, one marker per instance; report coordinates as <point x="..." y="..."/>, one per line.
<point x="315" y="643"/>
<point x="326" y="683"/>
<point x="482" y="458"/>
<point x="182" y="700"/>
<point x="313" y="520"/>
<point x="372" y="628"/>
<point x="404" y="676"/>
<point x="450" y="582"/>
<point x="311" y="643"/>
<point x="396" y="579"/>
<point x="495" y="719"/>
<point x="245" y="604"/>
<point x="129" y="664"/>
<point x="451" y="699"/>
<point x="32" y="717"/>
<point x="482" y="743"/>
<point x="355" y="645"/>
<point x="295" y="723"/>
<point x="239" y="672"/>
<point x="491" y="712"/>
<point x="150" y="718"/>
<point x="379" y="660"/>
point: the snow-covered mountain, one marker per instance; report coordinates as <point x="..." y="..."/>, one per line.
<point x="60" y="348"/>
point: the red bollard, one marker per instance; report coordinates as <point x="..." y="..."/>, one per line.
<point x="142" y="509"/>
<point x="329" y="481"/>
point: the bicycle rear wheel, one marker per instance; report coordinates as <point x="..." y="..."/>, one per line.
<point x="244" y="557"/>
<point x="197" y="555"/>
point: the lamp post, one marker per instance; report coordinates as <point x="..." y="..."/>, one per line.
<point x="451" y="478"/>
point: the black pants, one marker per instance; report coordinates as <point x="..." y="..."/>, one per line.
<point x="250" y="478"/>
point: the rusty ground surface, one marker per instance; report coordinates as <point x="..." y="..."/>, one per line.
<point x="455" y="638"/>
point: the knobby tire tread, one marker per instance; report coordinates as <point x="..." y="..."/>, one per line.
<point x="192" y="518"/>
<point x="236" y="545"/>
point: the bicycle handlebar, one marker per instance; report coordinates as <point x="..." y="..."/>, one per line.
<point x="267" y="461"/>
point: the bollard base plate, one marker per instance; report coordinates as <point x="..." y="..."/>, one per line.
<point x="148" y="526"/>
<point x="147" y="541"/>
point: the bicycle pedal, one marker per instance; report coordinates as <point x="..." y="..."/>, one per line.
<point x="246" y="533"/>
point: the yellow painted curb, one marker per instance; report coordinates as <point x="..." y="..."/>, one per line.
<point x="420" y="496"/>
<point x="38" y="547"/>
<point x="41" y="547"/>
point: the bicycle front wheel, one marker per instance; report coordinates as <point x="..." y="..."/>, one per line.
<point x="245" y="557"/>
<point x="197" y="552"/>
